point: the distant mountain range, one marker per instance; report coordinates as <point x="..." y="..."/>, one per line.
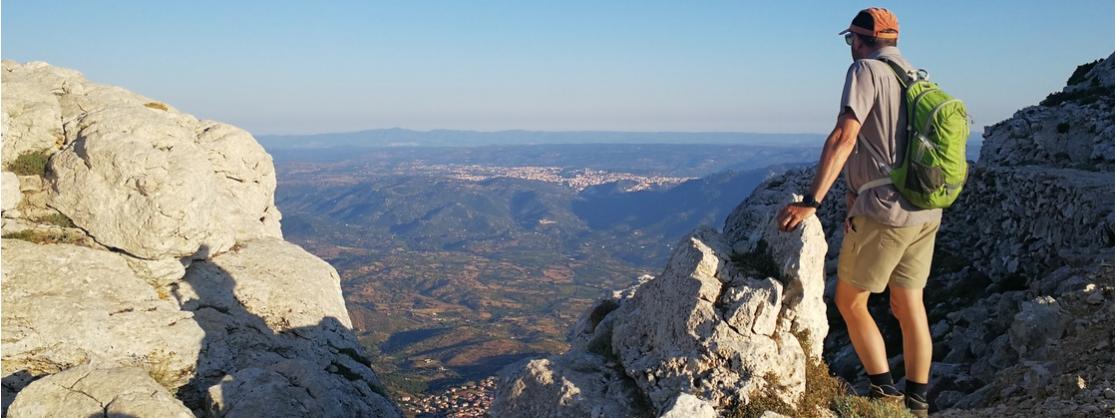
<point x="397" y="137"/>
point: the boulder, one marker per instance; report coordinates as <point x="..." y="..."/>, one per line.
<point x="66" y="305"/>
<point x="85" y="391"/>
<point x="176" y="186"/>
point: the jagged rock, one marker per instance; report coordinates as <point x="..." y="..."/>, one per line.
<point x="1071" y="129"/>
<point x="66" y="305"/>
<point x="283" y="323"/>
<point x="85" y="391"/>
<point x="10" y="196"/>
<point x="689" y="406"/>
<point x="710" y="328"/>
<point x="577" y="384"/>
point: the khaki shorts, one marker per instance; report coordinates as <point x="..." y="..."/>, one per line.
<point x="875" y="255"/>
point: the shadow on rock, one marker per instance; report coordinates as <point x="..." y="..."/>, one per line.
<point x="256" y="362"/>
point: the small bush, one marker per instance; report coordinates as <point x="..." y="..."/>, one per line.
<point x="1079" y="74"/>
<point x="1063" y="127"/>
<point x="156" y="105"/>
<point x="31" y="163"/>
<point x="758" y="262"/>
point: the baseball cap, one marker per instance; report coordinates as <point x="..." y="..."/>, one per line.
<point x="876" y="22"/>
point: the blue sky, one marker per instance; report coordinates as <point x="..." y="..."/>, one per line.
<point x="306" y="67"/>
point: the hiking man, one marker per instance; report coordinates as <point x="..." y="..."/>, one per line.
<point x="888" y="241"/>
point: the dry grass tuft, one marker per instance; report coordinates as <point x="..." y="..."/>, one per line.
<point x="44" y="237"/>
<point x="156" y="105"/>
<point x="823" y="393"/>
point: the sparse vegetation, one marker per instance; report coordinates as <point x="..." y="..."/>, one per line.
<point x="1082" y="97"/>
<point x="57" y="219"/>
<point x="1079" y="74"/>
<point x="823" y="393"/>
<point x="44" y="237"/>
<point x="158" y="366"/>
<point x="30" y="163"/>
<point x="156" y="105"/>
<point x="1063" y="127"/>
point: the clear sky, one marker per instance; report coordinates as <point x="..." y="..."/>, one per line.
<point x="330" y="66"/>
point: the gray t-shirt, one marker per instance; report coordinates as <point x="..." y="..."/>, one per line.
<point x="875" y="97"/>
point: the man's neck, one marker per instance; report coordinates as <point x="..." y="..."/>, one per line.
<point x="882" y="51"/>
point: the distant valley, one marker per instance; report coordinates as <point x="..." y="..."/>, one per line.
<point x="456" y="261"/>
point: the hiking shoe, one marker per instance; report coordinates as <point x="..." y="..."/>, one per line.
<point x="917" y="405"/>
<point x="886" y="392"/>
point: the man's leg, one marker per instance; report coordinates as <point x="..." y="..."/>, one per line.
<point x="863" y="332"/>
<point x="907" y="306"/>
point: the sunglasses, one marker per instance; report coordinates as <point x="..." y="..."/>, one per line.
<point x="849" y="39"/>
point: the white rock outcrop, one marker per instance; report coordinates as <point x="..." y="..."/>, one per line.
<point x="716" y="328"/>
<point x="65" y="306"/>
<point x="150" y="245"/>
<point x="85" y="391"/>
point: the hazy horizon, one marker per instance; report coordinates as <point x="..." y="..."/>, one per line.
<point x="295" y="68"/>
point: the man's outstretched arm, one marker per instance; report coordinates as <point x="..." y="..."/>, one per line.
<point x="835" y="152"/>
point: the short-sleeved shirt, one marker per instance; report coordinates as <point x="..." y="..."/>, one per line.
<point x="875" y="97"/>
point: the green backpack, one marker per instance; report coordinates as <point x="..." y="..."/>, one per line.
<point x="933" y="170"/>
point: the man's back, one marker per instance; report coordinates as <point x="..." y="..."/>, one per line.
<point x="874" y="95"/>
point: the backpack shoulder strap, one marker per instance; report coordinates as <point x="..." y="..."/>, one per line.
<point x="901" y="74"/>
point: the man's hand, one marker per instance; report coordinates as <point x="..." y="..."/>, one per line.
<point x="793" y="214"/>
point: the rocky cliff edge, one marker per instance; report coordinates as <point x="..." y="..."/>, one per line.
<point x="144" y="272"/>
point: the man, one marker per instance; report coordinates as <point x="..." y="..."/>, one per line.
<point x="888" y="241"/>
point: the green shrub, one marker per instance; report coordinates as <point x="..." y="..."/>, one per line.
<point x="31" y="163"/>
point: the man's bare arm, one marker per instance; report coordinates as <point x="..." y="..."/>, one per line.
<point x="835" y="152"/>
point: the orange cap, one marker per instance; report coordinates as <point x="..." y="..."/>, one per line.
<point x="876" y="22"/>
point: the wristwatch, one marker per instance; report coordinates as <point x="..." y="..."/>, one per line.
<point x="808" y="200"/>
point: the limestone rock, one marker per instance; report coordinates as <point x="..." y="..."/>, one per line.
<point x="32" y="113"/>
<point x="281" y="325"/>
<point x="689" y="406"/>
<point x="177" y="186"/>
<point x="66" y="305"/>
<point x="714" y="326"/>
<point x="11" y="196"/>
<point x="179" y="269"/>
<point x="1070" y="129"/>
<point x="577" y="384"/>
<point x="85" y="391"/>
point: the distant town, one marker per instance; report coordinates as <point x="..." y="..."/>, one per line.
<point x="578" y="179"/>
<point x="461" y="401"/>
